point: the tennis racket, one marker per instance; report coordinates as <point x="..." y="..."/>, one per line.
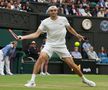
<point x="13" y="34"/>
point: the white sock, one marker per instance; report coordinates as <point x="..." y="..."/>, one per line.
<point x="83" y="78"/>
<point x="33" y="77"/>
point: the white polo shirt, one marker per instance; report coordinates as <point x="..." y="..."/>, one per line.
<point x="56" y="31"/>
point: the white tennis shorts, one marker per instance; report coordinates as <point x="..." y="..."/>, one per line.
<point x="62" y="52"/>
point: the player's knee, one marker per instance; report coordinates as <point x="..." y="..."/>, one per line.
<point x="42" y="56"/>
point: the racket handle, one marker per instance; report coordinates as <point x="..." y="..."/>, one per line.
<point x="19" y="37"/>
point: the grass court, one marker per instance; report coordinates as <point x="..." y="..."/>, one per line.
<point x="53" y="82"/>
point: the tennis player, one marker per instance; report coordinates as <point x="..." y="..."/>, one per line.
<point x="56" y="28"/>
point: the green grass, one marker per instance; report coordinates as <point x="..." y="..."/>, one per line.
<point x="53" y="82"/>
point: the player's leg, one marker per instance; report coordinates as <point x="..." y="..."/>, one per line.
<point x="43" y="56"/>
<point x="46" y="53"/>
<point x="64" y="54"/>
<point x="7" y="65"/>
<point x="73" y="66"/>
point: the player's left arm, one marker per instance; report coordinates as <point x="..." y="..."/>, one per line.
<point x="72" y="31"/>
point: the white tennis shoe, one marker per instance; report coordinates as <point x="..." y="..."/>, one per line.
<point x="89" y="82"/>
<point x="30" y="84"/>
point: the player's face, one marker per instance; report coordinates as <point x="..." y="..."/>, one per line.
<point x="53" y="12"/>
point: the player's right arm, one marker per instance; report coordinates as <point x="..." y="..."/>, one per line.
<point x="36" y="34"/>
<point x="31" y="36"/>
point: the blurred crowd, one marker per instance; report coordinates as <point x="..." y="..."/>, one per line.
<point x="84" y="8"/>
<point x="15" y="5"/>
<point x="98" y="8"/>
<point x="87" y="51"/>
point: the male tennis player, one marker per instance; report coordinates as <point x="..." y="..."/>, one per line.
<point x="56" y="28"/>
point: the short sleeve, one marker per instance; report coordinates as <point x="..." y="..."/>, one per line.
<point x="66" y="22"/>
<point x="42" y="26"/>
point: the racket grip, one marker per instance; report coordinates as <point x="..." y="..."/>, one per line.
<point x="20" y="37"/>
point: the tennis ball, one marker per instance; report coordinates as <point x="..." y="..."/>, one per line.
<point x="77" y="44"/>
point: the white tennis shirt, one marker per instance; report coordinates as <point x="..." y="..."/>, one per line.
<point x="56" y="31"/>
